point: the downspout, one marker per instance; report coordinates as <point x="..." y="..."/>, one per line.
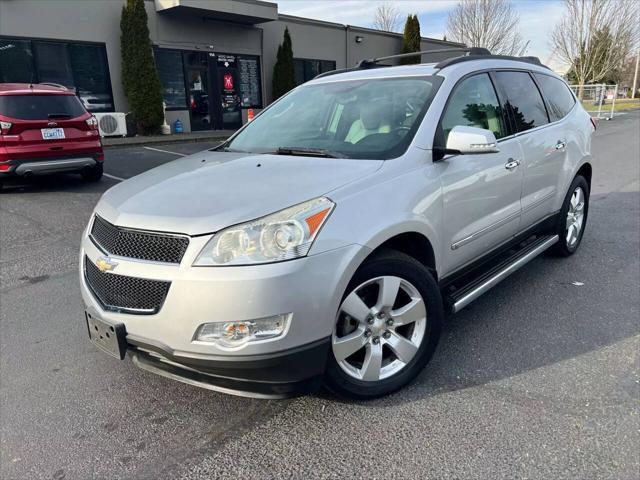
<point x="346" y="47"/>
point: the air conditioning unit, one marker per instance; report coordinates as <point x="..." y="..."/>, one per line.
<point x="112" y="124"/>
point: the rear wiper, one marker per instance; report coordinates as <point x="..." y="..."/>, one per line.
<point x="311" y="152"/>
<point x="59" y="115"/>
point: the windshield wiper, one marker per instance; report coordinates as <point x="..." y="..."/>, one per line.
<point x="311" y="152"/>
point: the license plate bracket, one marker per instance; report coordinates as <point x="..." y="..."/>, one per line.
<point x="109" y="337"/>
<point x="52" y="133"/>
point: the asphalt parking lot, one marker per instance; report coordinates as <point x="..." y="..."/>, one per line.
<point x="540" y="378"/>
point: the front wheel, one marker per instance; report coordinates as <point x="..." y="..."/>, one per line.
<point x="387" y="327"/>
<point x="573" y="218"/>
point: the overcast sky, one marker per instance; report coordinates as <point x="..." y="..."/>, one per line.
<point x="537" y="17"/>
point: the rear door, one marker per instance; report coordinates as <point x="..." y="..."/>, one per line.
<point x="46" y="126"/>
<point x="543" y="143"/>
<point x="481" y="192"/>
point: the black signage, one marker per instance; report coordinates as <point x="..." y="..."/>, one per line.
<point x="249" y="73"/>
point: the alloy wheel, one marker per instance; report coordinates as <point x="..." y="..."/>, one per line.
<point x="380" y="327"/>
<point x="575" y="217"/>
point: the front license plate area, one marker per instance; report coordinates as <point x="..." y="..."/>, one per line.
<point x="109" y="337"/>
<point x="52" y="133"/>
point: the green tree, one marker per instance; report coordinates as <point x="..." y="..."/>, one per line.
<point x="411" y="40"/>
<point x="284" y="78"/>
<point x="593" y="58"/>
<point x="139" y="75"/>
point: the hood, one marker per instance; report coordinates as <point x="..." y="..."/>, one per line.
<point x="208" y="191"/>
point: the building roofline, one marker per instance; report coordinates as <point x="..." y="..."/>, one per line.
<point x="342" y="26"/>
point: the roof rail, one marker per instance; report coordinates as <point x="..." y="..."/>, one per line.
<point x="456" y="60"/>
<point x="374" y="62"/>
<point x="56" y="85"/>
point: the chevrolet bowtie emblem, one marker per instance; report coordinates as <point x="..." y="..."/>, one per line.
<point x="105" y="264"/>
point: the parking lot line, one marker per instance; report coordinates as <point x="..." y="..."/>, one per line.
<point x="165" y="151"/>
<point x="114" y="177"/>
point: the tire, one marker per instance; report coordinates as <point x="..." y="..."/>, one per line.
<point x="92" y="174"/>
<point x="569" y="243"/>
<point x="358" y="323"/>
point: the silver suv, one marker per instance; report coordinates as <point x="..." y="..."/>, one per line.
<point x="324" y="242"/>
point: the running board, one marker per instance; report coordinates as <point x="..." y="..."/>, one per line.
<point x="467" y="293"/>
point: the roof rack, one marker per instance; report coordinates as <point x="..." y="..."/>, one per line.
<point x="375" y="62"/>
<point x="471" y="53"/>
<point x="56" y="85"/>
<point x="456" y="60"/>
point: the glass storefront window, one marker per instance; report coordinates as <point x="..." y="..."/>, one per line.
<point x="16" y="61"/>
<point x="171" y="73"/>
<point x="52" y="63"/>
<point x="91" y="76"/>
<point x="81" y="67"/>
<point x="306" y="69"/>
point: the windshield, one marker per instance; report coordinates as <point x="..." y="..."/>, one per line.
<point x="373" y="119"/>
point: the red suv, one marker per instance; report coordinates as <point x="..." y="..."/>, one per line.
<point x="46" y="129"/>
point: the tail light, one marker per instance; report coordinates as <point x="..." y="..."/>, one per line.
<point x="100" y="157"/>
<point x="594" y="122"/>
<point x="5" y="127"/>
<point x="92" y="122"/>
<point x="5" y="166"/>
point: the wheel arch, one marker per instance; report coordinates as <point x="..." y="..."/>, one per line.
<point x="413" y="243"/>
<point x="586" y="170"/>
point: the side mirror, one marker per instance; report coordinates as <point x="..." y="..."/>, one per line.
<point x="471" y="140"/>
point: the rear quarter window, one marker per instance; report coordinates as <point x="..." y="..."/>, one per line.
<point x="557" y="94"/>
<point x="40" y="107"/>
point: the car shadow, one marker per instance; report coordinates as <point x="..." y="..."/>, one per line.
<point x="61" y="182"/>
<point x="551" y="310"/>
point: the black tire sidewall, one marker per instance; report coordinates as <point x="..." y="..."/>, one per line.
<point x="562" y="247"/>
<point x="403" y="266"/>
<point x="93" y="174"/>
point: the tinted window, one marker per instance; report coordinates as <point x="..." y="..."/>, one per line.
<point x="16" y="61"/>
<point x="306" y="70"/>
<point x="78" y="66"/>
<point x="557" y="95"/>
<point x="89" y="65"/>
<point x="171" y="73"/>
<point x="474" y="104"/>
<point x="371" y="119"/>
<point x="523" y="99"/>
<point x="53" y="63"/>
<point x="40" y="107"/>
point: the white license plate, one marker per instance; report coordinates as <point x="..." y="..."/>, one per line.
<point x="52" y="133"/>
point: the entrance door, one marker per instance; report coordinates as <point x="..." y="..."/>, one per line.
<point x="227" y="88"/>
<point x="198" y="85"/>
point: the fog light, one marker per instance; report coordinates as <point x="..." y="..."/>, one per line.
<point x="234" y="334"/>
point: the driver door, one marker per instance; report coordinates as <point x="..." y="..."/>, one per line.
<point x="481" y="192"/>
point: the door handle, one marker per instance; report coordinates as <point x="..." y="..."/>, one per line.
<point x="511" y="164"/>
<point x="561" y="145"/>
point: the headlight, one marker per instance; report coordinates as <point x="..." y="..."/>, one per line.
<point x="283" y="235"/>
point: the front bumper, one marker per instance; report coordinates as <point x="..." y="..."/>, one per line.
<point x="309" y="288"/>
<point x="282" y="375"/>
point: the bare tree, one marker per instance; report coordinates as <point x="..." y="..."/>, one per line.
<point x="596" y="37"/>
<point x="492" y="24"/>
<point x="387" y="18"/>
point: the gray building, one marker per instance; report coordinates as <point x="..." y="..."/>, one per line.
<point x="215" y="58"/>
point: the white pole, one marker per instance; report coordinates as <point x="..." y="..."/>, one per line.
<point x="635" y="76"/>
<point x="613" y="104"/>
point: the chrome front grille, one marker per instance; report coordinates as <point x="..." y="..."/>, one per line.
<point x="120" y="293"/>
<point x="144" y="245"/>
